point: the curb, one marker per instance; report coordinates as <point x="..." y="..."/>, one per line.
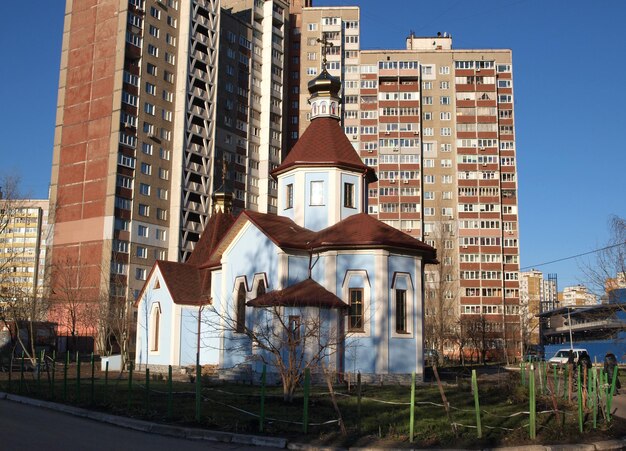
<point x="155" y="428"/>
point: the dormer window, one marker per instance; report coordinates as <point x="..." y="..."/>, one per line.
<point x="317" y="192"/>
<point x="348" y="195"/>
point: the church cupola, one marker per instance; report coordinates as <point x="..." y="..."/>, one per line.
<point x="323" y="180"/>
<point x="324" y="91"/>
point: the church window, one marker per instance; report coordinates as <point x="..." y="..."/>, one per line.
<point x="240" y="315"/>
<point x="356" y="309"/>
<point x="260" y="289"/>
<point x="348" y="195"/>
<point x="294" y="328"/>
<point x="155" y="322"/>
<point x="317" y="192"/>
<point x="289" y="196"/>
<point x="401" y="316"/>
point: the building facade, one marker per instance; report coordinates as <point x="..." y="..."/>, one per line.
<point x="576" y="295"/>
<point x="147" y="129"/>
<point x="437" y="124"/>
<point x="23" y="243"/>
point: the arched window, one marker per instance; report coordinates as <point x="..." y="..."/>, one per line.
<point x="155" y="324"/>
<point x="240" y="318"/>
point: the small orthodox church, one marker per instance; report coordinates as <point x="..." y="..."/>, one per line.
<point x="321" y="270"/>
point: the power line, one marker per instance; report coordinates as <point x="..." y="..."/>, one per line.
<point x="573" y="256"/>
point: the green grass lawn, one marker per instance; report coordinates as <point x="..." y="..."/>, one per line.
<point x="383" y="420"/>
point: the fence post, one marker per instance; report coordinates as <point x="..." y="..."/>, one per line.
<point x="307" y="387"/>
<point x="54" y="370"/>
<point x="523" y="373"/>
<point x="565" y="380"/>
<point x="594" y="399"/>
<point x="198" y="393"/>
<point x="65" y="368"/>
<point x="358" y="401"/>
<point x="532" y="407"/>
<point x="556" y="382"/>
<point x="130" y="384"/>
<point x="147" y="388"/>
<point x="77" y="377"/>
<point x="476" y="404"/>
<point x="170" y="405"/>
<point x="93" y="375"/>
<point x="39" y="362"/>
<point x="412" y="411"/>
<point x="580" y="402"/>
<point x="21" y="374"/>
<point x="262" y="412"/>
<point x="106" y="380"/>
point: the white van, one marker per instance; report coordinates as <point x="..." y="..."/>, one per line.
<point x="561" y="356"/>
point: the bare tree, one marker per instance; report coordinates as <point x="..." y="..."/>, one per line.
<point x="608" y="271"/>
<point x="286" y="339"/>
<point x="442" y="288"/>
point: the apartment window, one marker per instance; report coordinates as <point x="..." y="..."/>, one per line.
<point x="356" y="310"/>
<point x="171" y="40"/>
<point x="151" y="69"/>
<point x="168" y="77"/>
<point x="427" y="100"/>
<point x="166" y="115"/>
<point x="146" y="168"/>
<point x="150" y="88"/>
<point x="171" y="21"/>
<point x="144" y="188"/>
<point x="155" y="12"/>
<point x="163" y="174"/>
<point x="444" y="100"/>
<point x="149" y="108"/>
<point x="161" y="214"/>
<point x="164" y="154"/>
<point x="317" y="193"/>
<point x="446" y="131"/>
<point x="154" y="31"/>
<point x="124" y="182"/>
<point x="162" y="193"/>
<point x="170" y="58"/>
<point x="168" y="96"/>
<point x="140" y="273"/>
<point x="348" y="195"/>
<point x="142" y="230"/>
<point x="312" y="27"/>
<point x="144" y="210"/>
<point x="153" y="50"/>
<point x="444" y="70"/>
<point x="444" y="85"/>
<point x="289" y="196"/>
<point x="401" y="312"/>
<point x="142" y="252"/>
<point x="311" y="70"/>
<point x="445" y="116"/>
<point x="161" y="234"/>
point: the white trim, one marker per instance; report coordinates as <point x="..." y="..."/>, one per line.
<point x="382" y="311"/>
<point x="233" y="313"/>
<point x="256" y="279"/>
<point x="410" y="306"/>
<point x="345" y="294"/>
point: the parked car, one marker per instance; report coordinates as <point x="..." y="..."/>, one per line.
<point x="562" y="355"/>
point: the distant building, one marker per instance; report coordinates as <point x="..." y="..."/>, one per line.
<point x="577" y="295"/>
<point x="537" y="294"/>
<point x="23" y="240"/>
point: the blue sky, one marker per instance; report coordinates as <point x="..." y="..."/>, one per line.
<point x="570" y="103"/>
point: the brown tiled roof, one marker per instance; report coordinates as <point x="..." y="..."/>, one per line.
<point x="308" y="293"/>
<point x="216" y="228"/>
<point x="282" y="230"/>
<point x="324" y="144"/>
<point x="363" y="230"/>
<point x="183" y="282"/>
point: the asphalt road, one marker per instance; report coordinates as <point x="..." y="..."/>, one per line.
<point x="24" y="427"/>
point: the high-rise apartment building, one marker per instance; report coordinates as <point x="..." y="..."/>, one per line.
<point x="576" y="295"/>
<point x="148" y="129"/>
<point x="23" y="242"/>
<point x="437" y="124"/>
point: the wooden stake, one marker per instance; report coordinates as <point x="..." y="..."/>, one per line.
<point x="443" y="399"/>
